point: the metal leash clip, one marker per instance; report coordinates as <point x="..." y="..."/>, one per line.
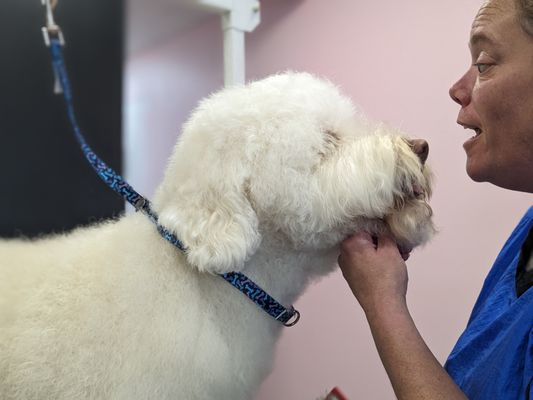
<point x="52" y="31"/>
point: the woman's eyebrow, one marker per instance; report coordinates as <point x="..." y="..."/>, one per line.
<point x="478" y="38"/>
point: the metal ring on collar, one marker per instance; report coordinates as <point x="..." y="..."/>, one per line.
<point x="295" y="318"/>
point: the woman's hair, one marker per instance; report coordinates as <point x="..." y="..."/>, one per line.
<point x="525" y="12"/>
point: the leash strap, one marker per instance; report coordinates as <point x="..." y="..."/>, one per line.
<point x="288" y="317"/>
<point x="106" y="173"/>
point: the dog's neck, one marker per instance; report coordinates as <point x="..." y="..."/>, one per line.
<point x="284" y="273"/>
<point x="278" y="268"/>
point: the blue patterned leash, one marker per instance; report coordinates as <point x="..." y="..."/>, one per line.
<point x="53" y="38"/>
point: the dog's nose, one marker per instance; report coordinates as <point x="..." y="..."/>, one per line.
<point x="420" y="148"/>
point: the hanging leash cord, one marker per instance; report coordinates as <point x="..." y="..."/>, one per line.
<point x="53" y="38"/>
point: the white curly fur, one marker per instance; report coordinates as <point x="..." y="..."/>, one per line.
<point x="266" y="179"/>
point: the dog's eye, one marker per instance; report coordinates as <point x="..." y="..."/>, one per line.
<point x="331" y="142"/>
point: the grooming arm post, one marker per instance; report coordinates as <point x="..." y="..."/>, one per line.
<point x="238" y="17"/>
<point x="234" y="53"/>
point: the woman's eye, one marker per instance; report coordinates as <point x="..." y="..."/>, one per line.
<point x="482" y="67"/>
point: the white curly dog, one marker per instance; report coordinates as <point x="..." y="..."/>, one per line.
<point x="266" y="179"/>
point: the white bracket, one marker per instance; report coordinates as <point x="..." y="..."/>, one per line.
<point x="238" y="17"/>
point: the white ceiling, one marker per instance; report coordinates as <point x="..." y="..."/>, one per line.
<point x="149" y="22"/>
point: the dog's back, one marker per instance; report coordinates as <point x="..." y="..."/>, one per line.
<point x="25" y="266"/>
<point x="65" y="307"/>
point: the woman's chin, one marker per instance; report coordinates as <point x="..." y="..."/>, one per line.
<point x="474" y="171"/>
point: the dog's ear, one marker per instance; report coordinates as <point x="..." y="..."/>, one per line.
<point x="210" y="212"/>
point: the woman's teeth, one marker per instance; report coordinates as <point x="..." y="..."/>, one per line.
<point x="477" y="131"/>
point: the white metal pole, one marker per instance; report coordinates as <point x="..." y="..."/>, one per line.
<point x="238" y="17"/>
<point x="234" y="57"/>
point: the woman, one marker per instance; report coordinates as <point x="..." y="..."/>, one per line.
<point x="493" y="359"/>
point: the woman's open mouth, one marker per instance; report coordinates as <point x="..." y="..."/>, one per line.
<point x="477" y="133"/>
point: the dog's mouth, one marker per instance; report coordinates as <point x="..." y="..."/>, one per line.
<point x="418" y="191"/>
<point x="411" y="192"/>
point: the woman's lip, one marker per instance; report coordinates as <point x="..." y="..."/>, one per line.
<point x="472" y="140"/>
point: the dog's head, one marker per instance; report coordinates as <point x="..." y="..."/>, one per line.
<point x="290" y="158"/>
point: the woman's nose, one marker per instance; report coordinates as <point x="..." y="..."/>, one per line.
<point x="461" y="90"/>
<point x="420" y="148"/>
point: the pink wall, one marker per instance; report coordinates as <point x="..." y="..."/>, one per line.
<point x="397" y="61"/>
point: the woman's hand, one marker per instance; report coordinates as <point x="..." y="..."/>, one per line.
<point x="377" y="275"/>
<point x="375" y="271"/>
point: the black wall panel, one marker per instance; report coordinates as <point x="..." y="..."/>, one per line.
<point x="45" y="183"/>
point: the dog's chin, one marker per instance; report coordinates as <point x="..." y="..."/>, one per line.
<point x="408" y="222"/>
<point x="411" y="226"/>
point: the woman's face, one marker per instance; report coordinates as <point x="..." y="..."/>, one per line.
<point x="496" y="98"/>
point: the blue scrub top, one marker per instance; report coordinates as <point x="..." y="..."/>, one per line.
<point x="493" y="358"/>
